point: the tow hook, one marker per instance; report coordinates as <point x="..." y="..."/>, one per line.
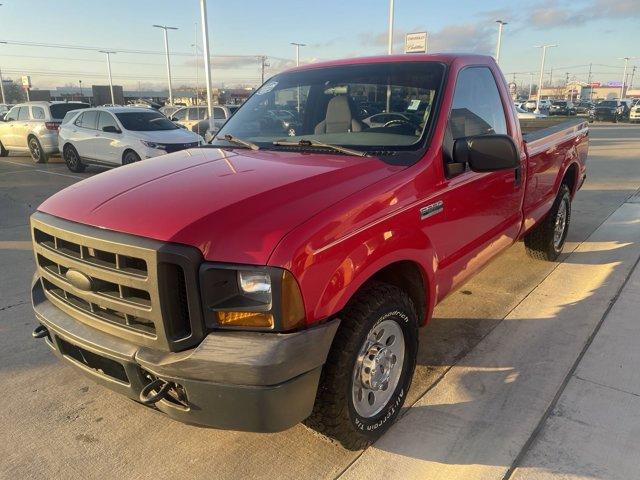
<point x="40" y="332"/>
<point x="155" y="391"/>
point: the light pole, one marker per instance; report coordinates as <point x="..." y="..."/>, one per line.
<point x="544" y="54"/>
<point x="530" y="84"/>
<point x="624" y="75"/>
<point x="108" y="54"/>
<point x="390" y="39"/>
<point x="298" y="45"/>
<point x="80" y="84"/>
<point x="195" y="53"/>
<point x="207" y="58"/>
<point x="501" y="24"/>
<point x="165" y="28"/>
<point x="4" y="100"/>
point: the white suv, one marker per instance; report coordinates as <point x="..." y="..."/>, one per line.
<point x="113" y="136"/>
<point x="33" y="127"/>
<point x="634" y="114"/>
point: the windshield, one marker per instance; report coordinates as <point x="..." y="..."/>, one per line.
<point x="608" y="104"/>
<point x="560" y="104"/>
<point x="369" y="107"/>
<point x="145" y="121"/>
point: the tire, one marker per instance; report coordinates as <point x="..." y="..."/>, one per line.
<point x="343" y="410"/>
<point x="37" y="153"/>
<point x="3" y="151"/>
<point x="72" y="159"/>
<point x="130" y="157"/>
<point x="546" y="240"/>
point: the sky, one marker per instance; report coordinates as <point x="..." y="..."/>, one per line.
<point x="599" y="32"/>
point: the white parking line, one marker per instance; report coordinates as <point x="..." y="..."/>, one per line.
<point x="38" y="170"/>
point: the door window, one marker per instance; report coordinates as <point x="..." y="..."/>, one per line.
<point x="180" y="115"/>
<point x="477" y="108"/>
<point x="106" y="120"/>
<point x="88" y="120"/>
<point x="24" y="113"/>
<point x="12" y="115"/>
<point x="37" y="113"/>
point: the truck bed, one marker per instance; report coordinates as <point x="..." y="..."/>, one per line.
<point x="538" y="128"/>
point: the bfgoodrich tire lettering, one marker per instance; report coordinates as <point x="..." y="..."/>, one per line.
<point x="334" y="412"/>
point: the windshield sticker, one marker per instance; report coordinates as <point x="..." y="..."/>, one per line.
<point x="414" y="105"/>
<point x="266" y="88"/>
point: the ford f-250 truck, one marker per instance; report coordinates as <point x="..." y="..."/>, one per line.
<point x="281" y="275"/>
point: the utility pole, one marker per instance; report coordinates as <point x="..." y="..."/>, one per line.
<point x="530" y="85"/>
<point x="501" y="24"/>
<point x="108" y="54"/>
<point x="390" y="32"/>
<point x="544" y="55"/>
<point x="589" y="82"/>
<point x="207" y="58"/>
<point x="633" y="73"/>
<point x="263" y="65"/>
<point x="165" y="28"/>
<point x="80" y="83"/>
<point x="566" y="86"/>
<point x="624" y="75"/>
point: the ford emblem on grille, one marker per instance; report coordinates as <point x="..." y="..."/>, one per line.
<point x="78" y="280"/>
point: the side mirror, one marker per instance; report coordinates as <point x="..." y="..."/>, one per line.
<point x="111" y="129"/>
<point x="486" y="153"/>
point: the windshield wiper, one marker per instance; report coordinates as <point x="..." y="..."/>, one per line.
<point x="239" y="141"/>
<point x="315" y="143"/>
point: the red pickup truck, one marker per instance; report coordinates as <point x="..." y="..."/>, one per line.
<point x="281" y="273"/>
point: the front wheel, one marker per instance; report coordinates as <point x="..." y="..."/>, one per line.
<point x="546" y="240"/>
<point x="37" y="152"/>
<point x="130" y="157"/>
<point x="369" y="369"/>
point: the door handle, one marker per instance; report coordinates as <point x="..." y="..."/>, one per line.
<point x="517" y="181"/>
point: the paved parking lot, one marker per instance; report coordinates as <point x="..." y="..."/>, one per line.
<point x="56" y="423"/>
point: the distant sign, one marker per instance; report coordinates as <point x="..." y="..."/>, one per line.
<point x="416" y="42"/>
<point x="513" y="89"/>
<point x="614" y="84"/>
<point x="26" y="81"/>
<point x="594" y="84"/>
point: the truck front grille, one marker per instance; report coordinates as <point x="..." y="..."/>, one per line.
<point x="128" y="286"/>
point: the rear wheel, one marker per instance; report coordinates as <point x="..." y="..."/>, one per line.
<point x="72" y="159"/>
<point x="130" y="157"/>
<point x="37" y="152"/>
<point x="546" y="240"/>
<point x="368" y="372"/>
<point x="3" y="151"/>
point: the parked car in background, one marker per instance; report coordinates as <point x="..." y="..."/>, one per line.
<point x="531" y="104"/>
<point x="113" y="136"/>
<point x="4" y="108"/>
<point x="33" y="127"/>
<point x="611" y="110"/>
<point x="562" y="107"/>
<point x="192" y="118"/>
<point x="634" y="114"/>
<point x="221" y="113"/>
<point x="526" y="114"/>
<point x="169" y="110"/>
<point x="583" y="107"/>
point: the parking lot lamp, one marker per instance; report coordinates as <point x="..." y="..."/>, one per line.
<point x="298" y="45"/>
<point x="4" y="100"/>
<point x="207" y="58"/>
<point x="390" y="33"/>
<point x="544" y="54"/>
<point x="501" y="24"/>
<point x="624" y="75"/>
<point x="165" y="28"/>
<point x="108" y="54"/>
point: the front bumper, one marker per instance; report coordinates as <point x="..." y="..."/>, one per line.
<point x="261" y="382"/>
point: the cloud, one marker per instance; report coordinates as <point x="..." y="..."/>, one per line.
<point x="550" y="14"/>
<point x="227" y="63"/>
<point x="469" y="37"/>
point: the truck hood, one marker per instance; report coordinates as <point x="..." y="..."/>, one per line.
<point x="233" y="205"/>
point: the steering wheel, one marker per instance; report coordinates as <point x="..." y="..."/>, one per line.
<point x="400" y="121"/>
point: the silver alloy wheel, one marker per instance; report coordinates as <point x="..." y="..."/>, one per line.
<point x="72" y="158"/>
<point x="34" y="149"/>
<point x="378" y="368"/>
<point x="561" y="224"/>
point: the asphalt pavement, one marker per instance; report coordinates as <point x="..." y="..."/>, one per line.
<point x="56" y="423"/>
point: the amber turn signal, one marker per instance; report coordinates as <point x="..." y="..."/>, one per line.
<point x="292" y="306"/>
<point x="245" y="319"/>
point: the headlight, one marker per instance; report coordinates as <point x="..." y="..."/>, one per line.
<point x="257" y="298"/>
<point x="159" y="146"/>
